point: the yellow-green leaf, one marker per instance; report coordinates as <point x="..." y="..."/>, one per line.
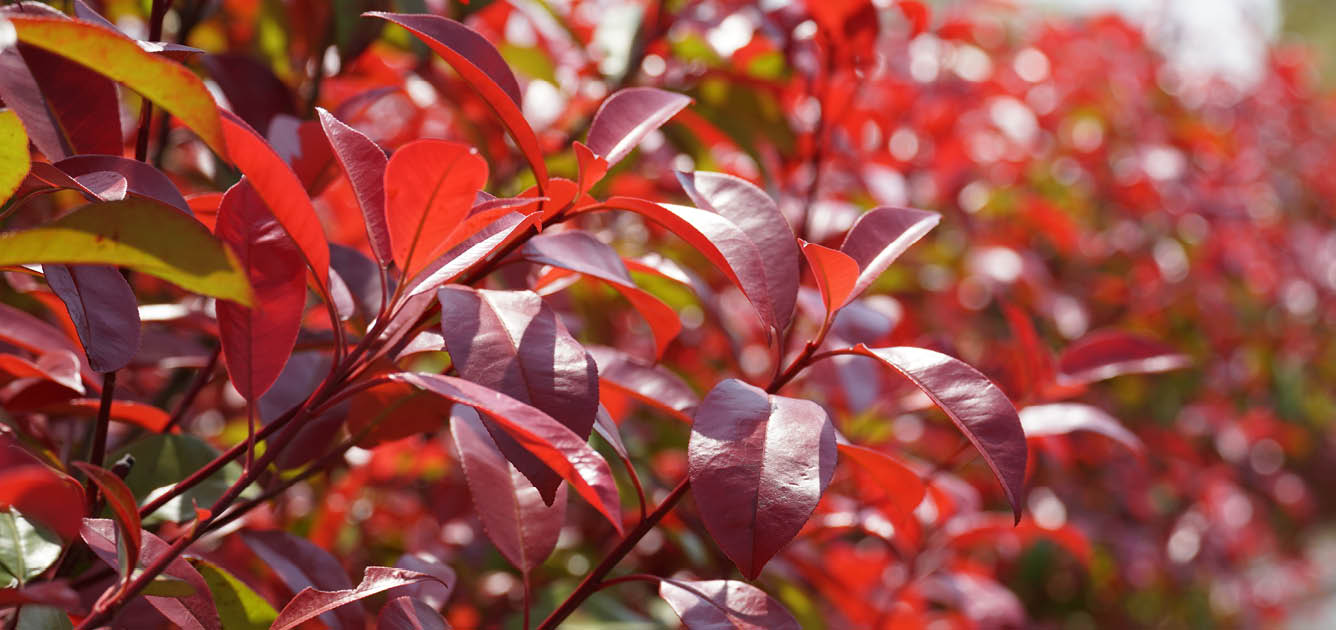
<point x="167" y="83"/>
<point x="239" y="607"/>
<point x="144" y="235"/>
<point x="14" y="162"/>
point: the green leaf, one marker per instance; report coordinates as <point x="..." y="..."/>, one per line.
<point x="26" y="549"/>
<point x="167" y="586"/>
<point x="530" y="60"/>
<point x="14" y="160"/>
<point x="146" y="236"/>
<point x="162" y="460"/>
<point x="37" y="617"/>
<point x="239" y="607"/>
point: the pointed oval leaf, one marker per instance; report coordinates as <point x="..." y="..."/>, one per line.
<point x="725" y="605"/>
<point x="652" y="384"/>
<point x="258" y="339"/>
<point x="303" y="566"/>
<point x="433" y="593"/>
<point x="239" y="607"/>
<point x="553" y="443"/>
<point x="14" y="159"/>
<point x="880" y="235"/>
<point x="510" y="341"/>
<point x="519" y="524"/>
<point x="104" y="310"/>
<point x="1106" y="354"/>
<point x="1063" y="418"/>
<point x="406" y="613"/>
<point x="758" y="465"/>
<point x="429" y="188"/>
<point x="123" y="507"/>
<point x="145" y="236"/>
<point x="191" y="612"/>
<point x="625" y="117"/>
<point x="977" y="407"/>
<point x="364" y="163"/>
<point x="310" y="603"/>
<point x="836" y="274"/>
<point x="141" y="179"/>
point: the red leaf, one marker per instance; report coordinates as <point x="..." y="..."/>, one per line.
<point x="406" y="613"/>
<point x="978" y="408"/>
<point x="258" y="340"/>
<point x="391" y="412"/>
<point x="190" y="612"/>
<point x="433" y="594"/>
<point x="555" y="445"/>
<point x="310" y="603"/>
<point x="1063" y="418"/>
<point x="756" y="214"/>
<point x="725" y="605"/>
<point x="1106" y="354"/>
<point x="481" y="65"/>
<point x="124" y="508"/>
<point x="511" y="342"/>
<point x="652" y="384"/>
<point x="141" y="178"/>
<point x="128" y="411"/>
<point x="21" y="93"/>
<point x="758" y="465"/>
<point x="578" y="251"/>
<point x="836" y="274"/>
<point x="36" y="336"/>
<point x="522" y="527"/>
<point x="470" y="251"/>
<point x="281" y="191"/>
<point x="83" y="104"/>
<point x="364" y="164"/>
<point x="57" y="366"/>
<point x="904" y="489"/>
<point x="55" y="593"/>
<point x="303" y="566"/>
<point x="625" y="117"/>
<point x="104" y="310"/>
<point x="880" y="235"/>
<point x="592" y="167"/>
<point x="49" y="497"/>
<point x="429" y="188"/>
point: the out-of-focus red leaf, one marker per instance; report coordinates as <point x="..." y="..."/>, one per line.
<point x="1035" y="362"/>
<point x="758" y="465"/>
<point x="429" y="188"/>
<point x="302" y="566"/>
<point x="23" y="97"/>
<point x="258" y="340"/>
<point x="364" y="163"/>
<point x="104" y="310"/>
<point x="433" y="593"/>
<point x="57" y="366"/>
<point x="978" y="408"/>
<point x="522" y="527"/>
<point x="625" y="117"/>
<point x="1063" y="418"/>
<point x="303" y="145"/>
<point x="125" y="509"/>
<point x="406" y="613"/>
<point x="362" y="276"/>
<point x="879" y="237"/>
<point x="904" y="489"/>
<point x="394" y="411"/>
<point x="205" y="207"/>
<point x="836" y="274"/>
<point x="254" y="92"/>
<point x="36" y="336"/>
<point x="41" y="493"/>
<point x="141" y="179"/>
<point x="1110" y="353"/>
<point x="55" y="593"/>
<point x="510" y="341"/>
<point x="552" y="442"/>
<point x="725" y="605"/>
<point x="651" y="384"/>
<point x="195" y="611"/>
<point x="310" y="602"/>
<point x="128" y="411"/>
<point x="580" y="252"/>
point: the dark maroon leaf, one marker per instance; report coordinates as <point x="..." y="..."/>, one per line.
<point x="310" y="602"/>
<point x="725" y="605"/>
<point x="406" y="613"/>
<point x="36" y="336"/>
<point x="1110" y="353"/>
<point x="978" y="408"/>
<point x="758" y="465"/>
<point x="510" y="341"/>
<point x="20" y="92"/>
<point x="879" y="237"/>
<point x="190" y="612"/>
<point x="84" y="104"/>
<point x="552" y="442"/>
<point x="257" y="340"/>
<point x="300" y="376"/>
<point x="625" y="117"/>
<point x="434" y="593"/>
<point x="104" y="310"/>
<point x="251" y="88"/>
<point x="1063" y="418"/>
<point x="141" y="179"/>
<point x="652" y="384"/>
<point x="519" y="524"/>
<point x="55" y="593"/>
<point x="756" y="214"/>
<point x="362" y="277"/>
<point x="302" y="566"/>
<point x="364" y="163"/>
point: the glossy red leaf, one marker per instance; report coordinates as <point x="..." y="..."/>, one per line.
<point x="756" y="214"/>
<point x="978" y="408"/>
<point x="406" y="613"/>
<point x="592" y="167"/>
<point x="512" y="342"/>
<point x="282" y="192"/>
<point x="514" y="516"/>
<point x="625" y="117"/>
<point x="127" y="411"/>
<point x="429" y="189"/>
<point x="481" y="65"/>
<point x="311" y="603"/>
<point x="57" y="366"/>
<point x="552" y="442"/>
<point x="1110" y="353"/>
<point x="880" y="235"/>
<point x="725" y="605"/>
<point x="195" y="611"/>
<point x="758" y="465"/>
<point x="580" y="252"/>
<point x="364" y="163"/>
<point x="48" y="497"/>
<point x="104" y="310"/>
<point x="836" y="275"/>
<point x="124" y="509"/>
<point x="1064" y="418"/>
<point x="141" y="179"/>
<point x="258" y="340"/>
<point x="301" y="565"/>
<point x="652" y="384"/>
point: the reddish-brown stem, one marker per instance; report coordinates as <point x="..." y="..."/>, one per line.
<point x="196" y="386"/>
<point x="97" y="448"/>
<point x="156" y="16"/>
<point x="103" y="612"/>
